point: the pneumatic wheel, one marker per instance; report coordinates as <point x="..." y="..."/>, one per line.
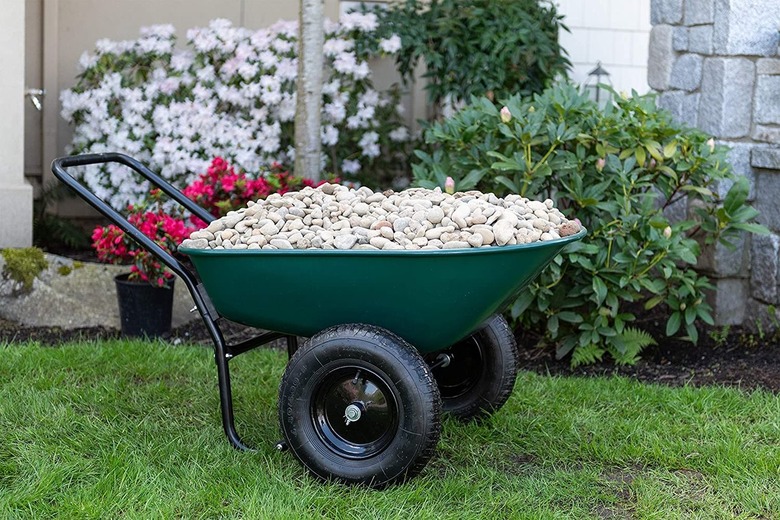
<point x="478" y="373"/>
<point x="359" y="405"/>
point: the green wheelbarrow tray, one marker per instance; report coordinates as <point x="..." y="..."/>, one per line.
<point x="432" y="299"/>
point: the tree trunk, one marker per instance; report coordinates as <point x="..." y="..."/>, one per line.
<point x="309" y="102"/>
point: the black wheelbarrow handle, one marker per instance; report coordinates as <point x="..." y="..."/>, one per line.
<point x="59" y="166"/>
<point x="223" y="351"/>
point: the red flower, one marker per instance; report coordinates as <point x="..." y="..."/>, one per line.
<point x="222" y="189"/>
<point x="114" y="246"/>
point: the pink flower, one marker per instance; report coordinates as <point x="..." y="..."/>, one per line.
<point x="449" y="185"/>
<point x="600" y="162"/>
<point x="506" y="115"/>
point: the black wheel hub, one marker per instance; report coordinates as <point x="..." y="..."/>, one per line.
<point x="355" y="412"/>
<point x="463" y="372"/>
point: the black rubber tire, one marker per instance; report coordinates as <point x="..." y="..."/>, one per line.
<point x="398" y="435"/>
<point x="482" y="372"/>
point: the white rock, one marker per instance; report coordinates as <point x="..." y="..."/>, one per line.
<point x="344" y="241"/>
<point x="337" y="217"/>
<point x="504" y="232"/>
<point x="280" y="243"/>
<point x="456" y="244"/>
<point x="231" y="219"/>
<point x="197" y="243"/>
<point x="476" y="240"/>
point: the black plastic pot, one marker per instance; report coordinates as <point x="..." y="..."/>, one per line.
<point x="144" y="310"/>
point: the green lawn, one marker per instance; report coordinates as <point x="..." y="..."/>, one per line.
<point x="132" y="430"/>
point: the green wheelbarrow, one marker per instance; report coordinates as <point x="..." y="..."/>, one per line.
<point x="395" y="338"/>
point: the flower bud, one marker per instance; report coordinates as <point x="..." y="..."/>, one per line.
<point x="668" y="232"/>
<point x="449" y="185"/>
<point x="711" y="144"/>
<point x="506" y="115"/>
<point x="531" y="109"/>
<point x="600" y="162"/>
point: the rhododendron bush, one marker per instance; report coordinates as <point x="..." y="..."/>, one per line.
<point x="230" y="93"/>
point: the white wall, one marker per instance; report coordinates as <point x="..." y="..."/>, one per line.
<point x="615" y="32"/>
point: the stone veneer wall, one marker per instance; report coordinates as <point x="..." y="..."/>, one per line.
<point x="716" y="66"/>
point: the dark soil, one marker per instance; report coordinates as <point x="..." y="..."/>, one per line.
<point x="739" y="359"/>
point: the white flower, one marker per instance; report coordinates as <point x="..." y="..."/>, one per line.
<point x="282" y="46"/>
<point x="87" y="61"/>
<point x="206" y="74"/>
<point x="181" y="61"/>
<point x="287" y="108"/>
<point x="390" y="45"/>
<point x="287" y="69"/>
<point x="105" y="46"/>
<point x="361" y="71"/>
<point x="335" y="112"/>
<point x="368" y="143"/>
<point x="331" y="88"/>
<point x="364" y="22"/>
<point x="287" y="28"/>
<point x="231" y="92"/>
<point x="350" y="167"/>
<point x="369" y="98"/>
<point x="400" y="134"/>
<point x="158" y="31"/>
<point x="329" y="135"/>
<point x="335" y="46"/>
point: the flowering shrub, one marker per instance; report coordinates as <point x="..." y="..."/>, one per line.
<point x="222" y="188"/>
<point x="231" y="93"/>
<point x="115" y="247"/>
<point x="629" y="174"/>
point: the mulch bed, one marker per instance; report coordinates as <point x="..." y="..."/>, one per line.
<point x="740" y="359"/>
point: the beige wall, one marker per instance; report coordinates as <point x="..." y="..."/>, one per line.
<point x="15" y="193"/>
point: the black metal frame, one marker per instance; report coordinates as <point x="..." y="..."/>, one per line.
<point x="222" y="351"/>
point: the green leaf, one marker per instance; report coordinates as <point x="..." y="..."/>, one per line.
<point x="522" y="303"/>
<point x="508" y="183"/>
<point x="686" y="255"/>
<point x="705" y="315"/>
<point x="570" y="317"/>
<point x="552" y="325"/>
<point x="693" y="334"/>
<point x="640" y="155"/>
<point x="506" y="166"/>
<point x="673" y="324"/>
<point x="698" y="189"/>
<point x="600" y="288"/>
<point x="752" y="227"/>
<point x="737" y="195"/>
<point x="652" y="302"/>
<point x="670" y="149"/>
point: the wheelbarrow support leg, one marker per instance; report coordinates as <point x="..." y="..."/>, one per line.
<point x="222" y="357"/>
<point x="225" y="394"/>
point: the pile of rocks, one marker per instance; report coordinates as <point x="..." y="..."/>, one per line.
<point x="336" y="217"/>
